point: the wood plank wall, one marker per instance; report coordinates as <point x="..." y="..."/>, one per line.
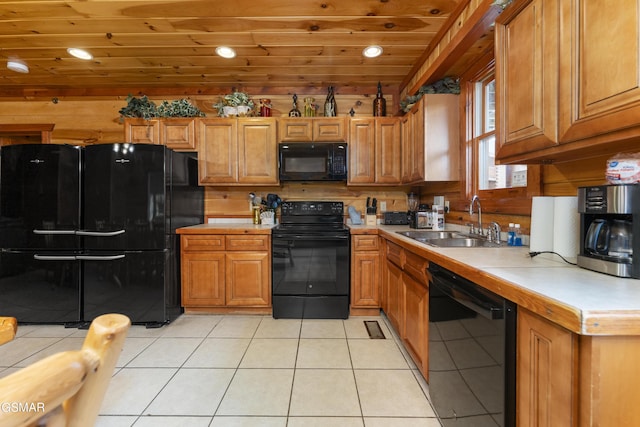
<point x="234" y="202"/>
<point x="95" y="119"/>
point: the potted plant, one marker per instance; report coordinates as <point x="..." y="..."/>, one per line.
<point x="234" y="104"/>
<point x="144" y="108"/>
<point x="139" y="108"/>
<point x="179" y="108"/>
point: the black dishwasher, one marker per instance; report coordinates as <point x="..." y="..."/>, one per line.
<point x="472" y="352"/>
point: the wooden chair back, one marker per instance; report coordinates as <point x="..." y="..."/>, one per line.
<point x="67" y="388"/>
<point x="8" y="328"/>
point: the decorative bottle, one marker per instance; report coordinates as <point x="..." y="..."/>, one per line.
<point x="294" y="112"/>
<point x="330" y="104"/>
<point x="309" y="107"/>
<point x="379" y="104"/>
<point x="265" y="108"/>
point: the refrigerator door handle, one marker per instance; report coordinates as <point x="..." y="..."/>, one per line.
<point x="100" y="257"/>
<point x="37" y="231"/>
<point x="100" y="233"/>
<point x="55" y="257"/>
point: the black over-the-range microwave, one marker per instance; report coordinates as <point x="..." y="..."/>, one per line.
<point x="313" y="161"/>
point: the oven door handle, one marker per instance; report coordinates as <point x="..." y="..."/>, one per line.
<point x="308" y="236"/>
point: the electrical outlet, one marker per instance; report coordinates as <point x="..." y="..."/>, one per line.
<point x="383" y="206"/>
<point x="446" y="206"/>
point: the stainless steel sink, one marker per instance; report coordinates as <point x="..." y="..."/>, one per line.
<point x="462" y="242"/>
<point x="448" y="239"/>
<point x="422" y="235"/>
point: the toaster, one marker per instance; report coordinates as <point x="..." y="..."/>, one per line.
<point x="395" y="218"/>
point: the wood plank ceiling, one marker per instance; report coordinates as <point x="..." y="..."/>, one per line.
<point x="170" y="43"/>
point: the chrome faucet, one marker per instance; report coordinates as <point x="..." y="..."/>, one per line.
<point x="476" y="199"/>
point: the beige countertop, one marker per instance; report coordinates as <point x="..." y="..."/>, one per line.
<point x="580" y="300"/>
<point x="583" y="301"/>
<point x="226" y="228"/>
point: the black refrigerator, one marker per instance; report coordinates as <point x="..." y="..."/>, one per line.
<point x="92" y="231"/>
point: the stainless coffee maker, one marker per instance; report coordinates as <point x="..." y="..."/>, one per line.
<point x="609" y="218"/>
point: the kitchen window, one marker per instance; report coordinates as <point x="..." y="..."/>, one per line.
<point x="491" y="176"/>
<point x="502" y="188"/>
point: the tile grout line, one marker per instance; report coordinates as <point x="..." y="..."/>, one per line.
<point x="235" y="371"/>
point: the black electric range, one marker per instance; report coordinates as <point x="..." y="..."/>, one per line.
<point x="310" y="263"/>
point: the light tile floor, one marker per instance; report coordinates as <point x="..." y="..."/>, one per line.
<point x="232" y="371"/>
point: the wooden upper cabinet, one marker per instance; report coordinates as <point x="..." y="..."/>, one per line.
<point x="319" y="129"/>
<point x="430" y="134"/>
<point x="600" y="56"/>
<point x="415" y="157"/>
<point x="567" y="80"/>
<point x="141" y="131"/>
<point x="218" y="151"/>
<point x="388" y="151"/>
<point x="405" y="137"/>
<point x="295" y="129"/>
<point x="178" y="134"/>
<point x="362" y="151"/>
<point x="438" y="130"/>
<point x="527" y="77"/>
<point x="257" y="151"/>
<point x="332" y="129"/>
<point x="237" y="151"/>
<point x="374" y="151"/>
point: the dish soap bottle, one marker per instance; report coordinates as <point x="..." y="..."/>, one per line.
<point x="511" y="235"/>
<point x="379" y="104"/>
<point x="517" y="238"/>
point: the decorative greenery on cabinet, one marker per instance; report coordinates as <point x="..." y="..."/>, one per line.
<point x="144" y="108"/>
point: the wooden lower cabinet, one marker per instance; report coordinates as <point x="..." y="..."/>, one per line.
<point x="415" y="333"/>
<point x="221" y="271"/>
<point x="203" y="278"/>
<point x="365" y="275"/>
<point x="546" y="373"/>
<point x="248" y="279"/>
<point x="393" y="295"/>
<point x="562" y="378"/>
<point x="406" y="301"/>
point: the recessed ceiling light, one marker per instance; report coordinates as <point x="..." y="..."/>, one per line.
<point x="372" y="51"/>
<point x="17" y="66"/>
<point x="226" y="51"/>
<point x="79" y="53"/>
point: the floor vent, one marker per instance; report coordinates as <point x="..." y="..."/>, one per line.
<point x="373" y="328"/>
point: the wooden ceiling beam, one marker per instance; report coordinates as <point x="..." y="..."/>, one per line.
<point x="470" y="30"/>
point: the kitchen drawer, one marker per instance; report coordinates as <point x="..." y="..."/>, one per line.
<point x="251" y="242"/>
<point x="416" y="267"/>
<point x="203" y="243"/>
<point x="366" y="243"/>
<point x="395" y="254"/>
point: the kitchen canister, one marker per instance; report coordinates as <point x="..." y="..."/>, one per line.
<point x="438" y="217"/>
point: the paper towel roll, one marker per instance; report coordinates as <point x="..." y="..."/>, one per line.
<point x="566" y="227"/>
<point x="542" y="221"/>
